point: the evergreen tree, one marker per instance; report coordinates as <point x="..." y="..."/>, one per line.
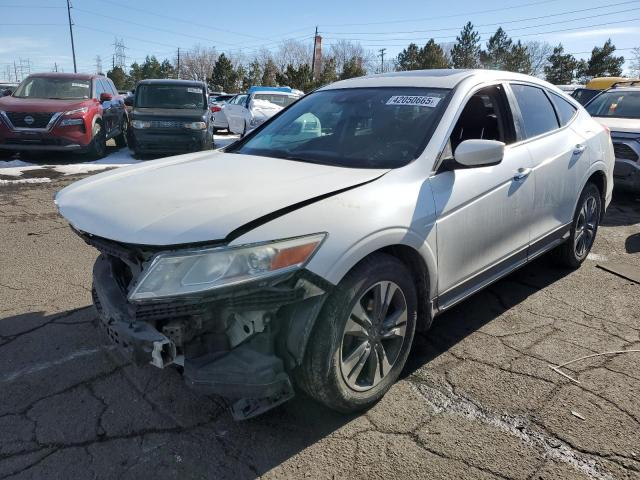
<point x="253" y="76"/>
<point x="151" y="68"/>
<point x="499" y="49"/>
<point x="299" y="77"/>
<point x="352" y="68"/>
<point x="518" y="59"/>
<point x="224" y="75"/>
<point x="167" y="70"/>
<point x="602" y="63"/>
<point x="328" y="73"/>
<point x="409" y="58"/>
<point x="432" y="56"/>
<point x="561" y="68"/>
<point x="269" y="74"/>
<point x="119" y="78"/>
<point x="466" y="51"/>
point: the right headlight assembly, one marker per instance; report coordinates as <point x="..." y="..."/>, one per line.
<point x="195" y="271"/>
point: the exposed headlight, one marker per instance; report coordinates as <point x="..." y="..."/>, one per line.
<point x="140" y="124"/>
<point x="77" y="111"/>
<point x="195" y="125"/>
<point x="196" y="271"/>
<point x="255" y="121"/>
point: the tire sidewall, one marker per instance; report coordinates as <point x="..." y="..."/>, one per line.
<point x="332" y="321"/>
<point x="589" y="190"/>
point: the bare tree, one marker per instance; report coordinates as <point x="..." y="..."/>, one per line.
<point x="345" y="51"/>
<point x="197" y="63"/>
<point x="293" y="52"/>
<point x="539" y="53"/>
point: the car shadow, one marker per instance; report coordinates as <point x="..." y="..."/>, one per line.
<point x="624" y="209"/>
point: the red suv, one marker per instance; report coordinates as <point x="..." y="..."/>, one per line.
<point x="63" y="112"/>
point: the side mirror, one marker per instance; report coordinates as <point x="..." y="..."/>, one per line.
<point x="105" y="97"/>
<point x="479" y="153"/>
<point x="6" y="93"/>
<point x="128" y="101"/>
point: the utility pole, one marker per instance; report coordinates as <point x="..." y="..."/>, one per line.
<point x="382" y="50"/>
<point x="313" y="57"/>
<point x="73" y="48"/>
<point x="55" y="66"/>
<point x="15" y="70"/>
<point x="178" y="69"/>
<point x="98" y="64"/>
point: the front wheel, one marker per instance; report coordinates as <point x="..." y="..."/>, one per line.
<point x="362" y="337"/>
<point x="583" y="228"/>
<point x="98" y="147"/>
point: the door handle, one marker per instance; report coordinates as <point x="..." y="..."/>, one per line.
<point x="521" y="174"/>
<point x="579" y="149"/>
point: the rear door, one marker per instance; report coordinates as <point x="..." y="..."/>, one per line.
<point x="234" y="112"/>
<point x="560" y="159"/>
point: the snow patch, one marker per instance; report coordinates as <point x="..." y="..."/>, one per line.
<point x="26" y="180"/>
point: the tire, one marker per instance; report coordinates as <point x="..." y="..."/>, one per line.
<point x="98" y="147"/>
<point x="583" y="228"/>
<point x="121" y="139"/>
<point x="328" y="373"/>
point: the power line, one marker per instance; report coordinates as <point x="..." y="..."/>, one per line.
<point x="499" y="23"/>
<point x="478" y="12"/>
<point x="486" y="33"/>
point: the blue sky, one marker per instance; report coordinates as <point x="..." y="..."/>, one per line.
<point x="37" y="29"/>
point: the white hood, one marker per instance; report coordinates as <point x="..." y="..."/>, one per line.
<point x="624" y="125"/>
<point x="196" y="197"/>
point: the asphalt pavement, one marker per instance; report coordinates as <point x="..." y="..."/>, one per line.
<point x="478" y="398"/>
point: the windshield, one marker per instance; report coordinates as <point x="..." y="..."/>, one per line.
<point x="619" y="104"/>
<point x="280" y="100"/>
<point x="361" y="128"/>
<point x="170" y="96"/>
<point x="55" y="88"/>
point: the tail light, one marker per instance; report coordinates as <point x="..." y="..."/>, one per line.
<point x="215" y="108"/>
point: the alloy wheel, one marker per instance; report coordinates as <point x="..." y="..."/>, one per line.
<point x="373" y="336"/>
<point x="586" y="225"/>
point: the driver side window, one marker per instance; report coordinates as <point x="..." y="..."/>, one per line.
<point x="486" y="116"/>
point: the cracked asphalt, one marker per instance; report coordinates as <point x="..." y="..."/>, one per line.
<point x="478" y="398"/>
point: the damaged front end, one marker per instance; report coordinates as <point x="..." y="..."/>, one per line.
<point x="239" y="341"/>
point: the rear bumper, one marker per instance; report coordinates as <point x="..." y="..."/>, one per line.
<point x="202" y="339"/>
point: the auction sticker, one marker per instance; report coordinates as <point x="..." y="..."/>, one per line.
<point x="81" y="85"/>
<point x="414" y="100"/>
<point x="194" y="90"/>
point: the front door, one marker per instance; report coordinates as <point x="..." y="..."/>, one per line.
<point x="483" y="213"/>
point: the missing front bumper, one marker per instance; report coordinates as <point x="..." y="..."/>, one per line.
<point x="253" y="371"/>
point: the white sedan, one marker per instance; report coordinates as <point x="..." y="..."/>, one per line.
<point x="310" y="251"/>
<point x="248" y="111"/>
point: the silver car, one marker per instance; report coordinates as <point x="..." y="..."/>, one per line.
<point x="618" y="109"/>
<point x="309" y="252"/>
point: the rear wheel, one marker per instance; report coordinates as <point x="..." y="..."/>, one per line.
<point x="583" y="229"/>
<point x="98" y="147"/>
<point x="362" y="337"/>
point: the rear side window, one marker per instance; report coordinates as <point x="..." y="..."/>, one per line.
<point x="564" y="109"/>
<point x="536" y="109"/>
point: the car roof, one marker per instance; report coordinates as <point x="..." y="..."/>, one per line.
<point x="435" y="78"/>
<point x="74" y="76"/>
<point x="171" y="81"/>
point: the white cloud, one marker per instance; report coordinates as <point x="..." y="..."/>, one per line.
<point x="599" y="32"/>
<point x="21" y="45"/>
